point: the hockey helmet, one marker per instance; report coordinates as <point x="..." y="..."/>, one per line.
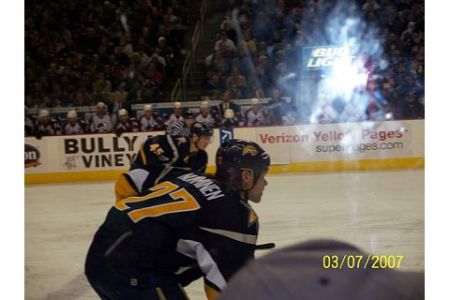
<point x="200" y="128"/>
<point x="43" y="113"/>
<point x="204" y="104"/>
<point x="229" y="114"/>
<point x="100" y="104"/>
<point x="254" y="101"/>
<point x="238" y="155"/>
<point x="71" y="114"/>
<point x="188" y="115"/>
<point x="148" y="107"/>
<point x="122" y="112"/>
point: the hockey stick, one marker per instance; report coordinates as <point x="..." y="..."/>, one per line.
<point x="265" y="246"/>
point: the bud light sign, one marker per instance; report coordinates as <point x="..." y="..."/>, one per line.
<point x="32" y="156"/>
<point x="324" y="57"/>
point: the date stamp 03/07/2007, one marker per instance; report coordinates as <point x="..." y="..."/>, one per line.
<point x="368" y="261"/>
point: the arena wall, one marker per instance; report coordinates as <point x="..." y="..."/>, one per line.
<point x="301" y="148"/>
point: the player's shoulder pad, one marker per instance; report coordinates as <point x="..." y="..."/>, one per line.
<point x="151" y="139"/>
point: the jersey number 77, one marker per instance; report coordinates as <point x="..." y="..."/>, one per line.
<point x="184" y="201"/>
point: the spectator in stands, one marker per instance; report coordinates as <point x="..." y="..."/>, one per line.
<point x="227" y="104"/>
<point x="146" y="90"/>
<point x="413" y="108"/>
<point x="291" y="115"/>
<point x="138" y="64"/>
<point x="158" y="59"/>
<point x="211" y="59"/>
<point x="126" y="123"/>
<point x="126" y="44"/>
<point x="81" y="97"/>
<point x="73" y="125"/>
<point x="100" y="122"/>
<point x="220" y="61"/>
<point x="370" y="6"/>
<point x="45" y="125"/>
<point x="255" y="114"/>
<point x="407" y="38"/>
<point x="224" y="42"/>
<point x="154" y="80"/>
<point x="243" y="60"/>
<point x="176" y="116"/>
<point x="69" y="41"/>
<point x="166" y="52"/>
<point x="276" y="107"/>
<point x="68" y="47"/>
<point x="261" y="77"/>
<point x="215" y="85"/>
<point x="101" y="88"/>
<point x="29" y="123"/>
<point x="250" y="43"/>
<point x="119" y="99"/>
<point x="227" y="27"/>
<point x="237" y="84"/>
<point x="148" y="121"/>
<point x="205" y="115"/>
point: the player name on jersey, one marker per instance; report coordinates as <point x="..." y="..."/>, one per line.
<point x="205" y="185"/>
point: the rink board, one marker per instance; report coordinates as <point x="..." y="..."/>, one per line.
<point x="302" y="148"/>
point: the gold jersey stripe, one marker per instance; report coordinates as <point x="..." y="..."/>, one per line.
<point x="160" y="294"/>
<point x="210" y="292"/>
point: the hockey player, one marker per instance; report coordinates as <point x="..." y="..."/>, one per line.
<point x="100" y="121"/>
<point x="29" y="123"/>
<point x="147" y="121"/>
<point x="46" y="125"/>
<point x="126" y="123"/>
<point x="169" y="152"/>
<point x="205" y="115"/>
<point x="73" y="125"/>
<point x="255" y="114"/>
<point x="183" y="228"/>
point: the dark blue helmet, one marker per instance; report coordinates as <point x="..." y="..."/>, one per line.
<point x="238" y="155"/>
<point x="200" y="128"/>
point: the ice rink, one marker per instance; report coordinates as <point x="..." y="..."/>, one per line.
<point x="381" y="212"/>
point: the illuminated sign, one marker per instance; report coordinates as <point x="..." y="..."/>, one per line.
<point x="325" y="57"/>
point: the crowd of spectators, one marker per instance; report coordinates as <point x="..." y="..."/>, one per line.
<point x="117" y="53"/>
<point x="79" y="52"/>
<point x="259" y="48"/>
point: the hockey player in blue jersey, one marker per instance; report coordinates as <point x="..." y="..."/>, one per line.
<point x="167" y="151"/>
<point x="185" y="227"/>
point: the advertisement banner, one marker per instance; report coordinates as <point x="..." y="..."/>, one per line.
<point x="349" y="141"/>
<point x="322" y="58"/>
<point x="96" y="152"/>
<point x="313" y="145"/>
<point x="36" y="158"/>
<point x="90" y="152"/>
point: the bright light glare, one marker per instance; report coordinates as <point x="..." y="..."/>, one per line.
<point x="345" y="77"/>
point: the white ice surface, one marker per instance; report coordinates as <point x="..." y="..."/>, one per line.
<point x="381" y="212"/>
